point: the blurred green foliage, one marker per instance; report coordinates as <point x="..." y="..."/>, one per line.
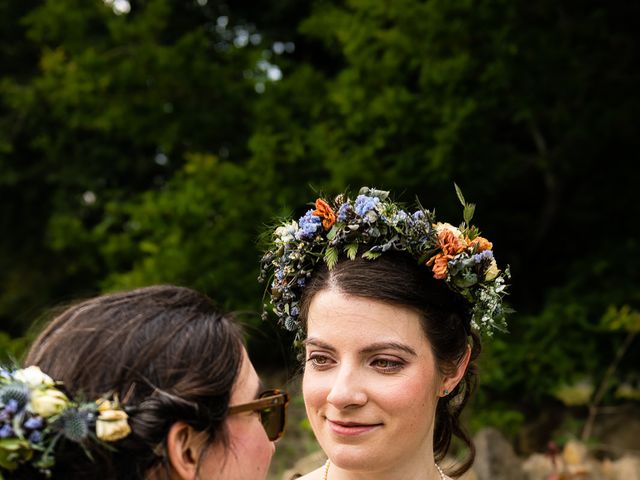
<point x="155" y="146"/>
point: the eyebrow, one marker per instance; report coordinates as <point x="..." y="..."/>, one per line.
<point x="374" y="347"/>
<point x="389" y="346"/>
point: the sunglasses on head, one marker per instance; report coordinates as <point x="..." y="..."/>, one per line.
<point x="272" y="407"/>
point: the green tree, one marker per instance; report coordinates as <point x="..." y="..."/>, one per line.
<point x="136" y="149"/>
<point x="95" y="107"/>
<point x="530" y="107"/>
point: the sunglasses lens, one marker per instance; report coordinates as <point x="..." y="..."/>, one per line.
<point x="273" y="421"/>
<point x="273" y="417"/>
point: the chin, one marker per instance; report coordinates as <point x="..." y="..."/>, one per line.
<point x="356" y="458"/>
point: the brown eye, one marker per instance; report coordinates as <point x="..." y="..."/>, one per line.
<point x="386" y="364"/>
<point x="319" y="361"/>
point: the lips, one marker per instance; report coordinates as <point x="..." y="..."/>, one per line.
<point x="351" y="428"/>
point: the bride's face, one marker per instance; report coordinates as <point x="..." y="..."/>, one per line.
<point x="370" y="384"/>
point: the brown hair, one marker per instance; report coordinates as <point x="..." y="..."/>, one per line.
<point x="165" y="350"/>
<point x="397" y="278"/>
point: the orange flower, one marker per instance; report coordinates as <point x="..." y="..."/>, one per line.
<point x="480" y="243"/>
<point x="324" y="211"/>
<point x="450" y="243"/>
<point x="440" y="268"/>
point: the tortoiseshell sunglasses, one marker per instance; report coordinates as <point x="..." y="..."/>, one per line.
<point x="272" y="407"/>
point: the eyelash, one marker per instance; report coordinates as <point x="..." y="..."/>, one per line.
<point x="313" y="360"/>
<point x="391" y="365"/>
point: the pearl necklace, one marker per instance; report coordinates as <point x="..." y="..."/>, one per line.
<point x="326" y="471"/>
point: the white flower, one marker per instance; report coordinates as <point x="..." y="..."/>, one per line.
<point x="447" y="226"/>
<point x="111" y="424"/>
<point x="47" y="402"/>
<point x="34" y="377"/>
<point x="492" y="271"/>
<point x="286" y="233"/>
<point x="371" y="216"/>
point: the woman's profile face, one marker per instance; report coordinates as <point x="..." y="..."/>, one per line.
<point x="249" y="452"/>
<point x="370" y="383"/>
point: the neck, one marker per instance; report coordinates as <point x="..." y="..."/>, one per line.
<point x="333" y="472"/>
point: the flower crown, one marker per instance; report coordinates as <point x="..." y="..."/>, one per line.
<point x="35" y="415"/>
<point x="458" y="256"/>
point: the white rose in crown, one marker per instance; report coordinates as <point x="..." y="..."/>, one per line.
<point x="47" y="402"/>
<point x="111" y="424"/>
<point x="441" y="226"/>
<point x="34" y="377"/>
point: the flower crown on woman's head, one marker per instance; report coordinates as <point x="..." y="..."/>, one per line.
<point x="459" y="256"/>
<point x="35" y="415"/>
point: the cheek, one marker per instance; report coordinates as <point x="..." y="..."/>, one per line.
<point x="411" y="392"/>
<point x="314" y="390"/>
<point x="249" y="441"/>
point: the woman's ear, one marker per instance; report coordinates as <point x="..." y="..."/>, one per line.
<point x="184" y="446"/>
<point x="451" y="381"/>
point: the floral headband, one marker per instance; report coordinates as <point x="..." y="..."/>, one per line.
<point x="35" y="415"/>
<point x="459" y="256"/>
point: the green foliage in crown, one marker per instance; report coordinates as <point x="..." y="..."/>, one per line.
<point x="459" y="256"/>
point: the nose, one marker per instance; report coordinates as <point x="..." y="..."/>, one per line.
<point x="347" y="389"/>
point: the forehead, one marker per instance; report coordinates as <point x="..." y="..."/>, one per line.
<point x="351" y="320"/>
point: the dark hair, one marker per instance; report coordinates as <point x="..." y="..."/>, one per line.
<point x="397" y="278"/>
<point x="165" y="350"/>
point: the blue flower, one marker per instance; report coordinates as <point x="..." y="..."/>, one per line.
<point x="6" y="431"/>
<point x="344" y="209"/>
<point x="484" y="256"/>
<point x="418" y="215"/>
<point x="365" y="204"/>
<point x="308" y="226"/>
<point x="35" y="436"/>
<point x="301" y="282"/>
<point x="295" y="311"/>
<point x="400" y="216"/>
<point x="11" y="406"/>
<point x="34" y="423"/>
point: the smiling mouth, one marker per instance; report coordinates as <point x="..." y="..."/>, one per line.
<point x="351" y="428"/>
